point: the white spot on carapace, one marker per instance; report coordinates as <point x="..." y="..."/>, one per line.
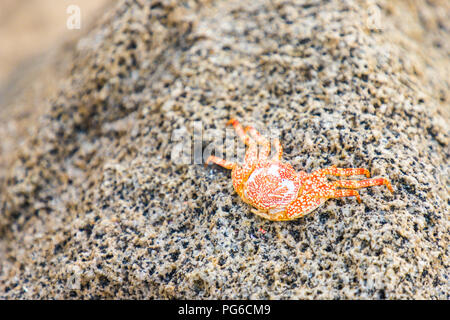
<point x="274" y="170"/>
<point x="289" y="185"/>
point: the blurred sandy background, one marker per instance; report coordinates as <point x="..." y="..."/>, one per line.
<point x="33" y="38"/>
<point x="28" y="28"/>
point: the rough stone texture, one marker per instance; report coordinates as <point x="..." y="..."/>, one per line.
<point x="94" y="206"/>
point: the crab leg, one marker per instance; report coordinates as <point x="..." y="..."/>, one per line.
<point x="278" y="150"/>
<point x="264" y="154"/>
<point x="265" y="150"/>
<point x="251" y="155"/>
<point x="221" y="162"/>
<point x="240" y="131"/>
<point x="247" y="167"/>
<point x="342" y="172"/>
<point x="354" y="184"/>
<point x="239" y="173"/>
<point x="339" y="193"/>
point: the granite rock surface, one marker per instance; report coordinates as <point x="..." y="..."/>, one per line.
<point x="95" y="204"/>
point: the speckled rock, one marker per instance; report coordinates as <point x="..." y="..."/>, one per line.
<point x="95" y="206"/>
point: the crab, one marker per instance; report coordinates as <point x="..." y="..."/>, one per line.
<point x="279" y="193"/>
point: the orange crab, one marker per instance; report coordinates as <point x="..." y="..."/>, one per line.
<point x="276" y="190"/>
